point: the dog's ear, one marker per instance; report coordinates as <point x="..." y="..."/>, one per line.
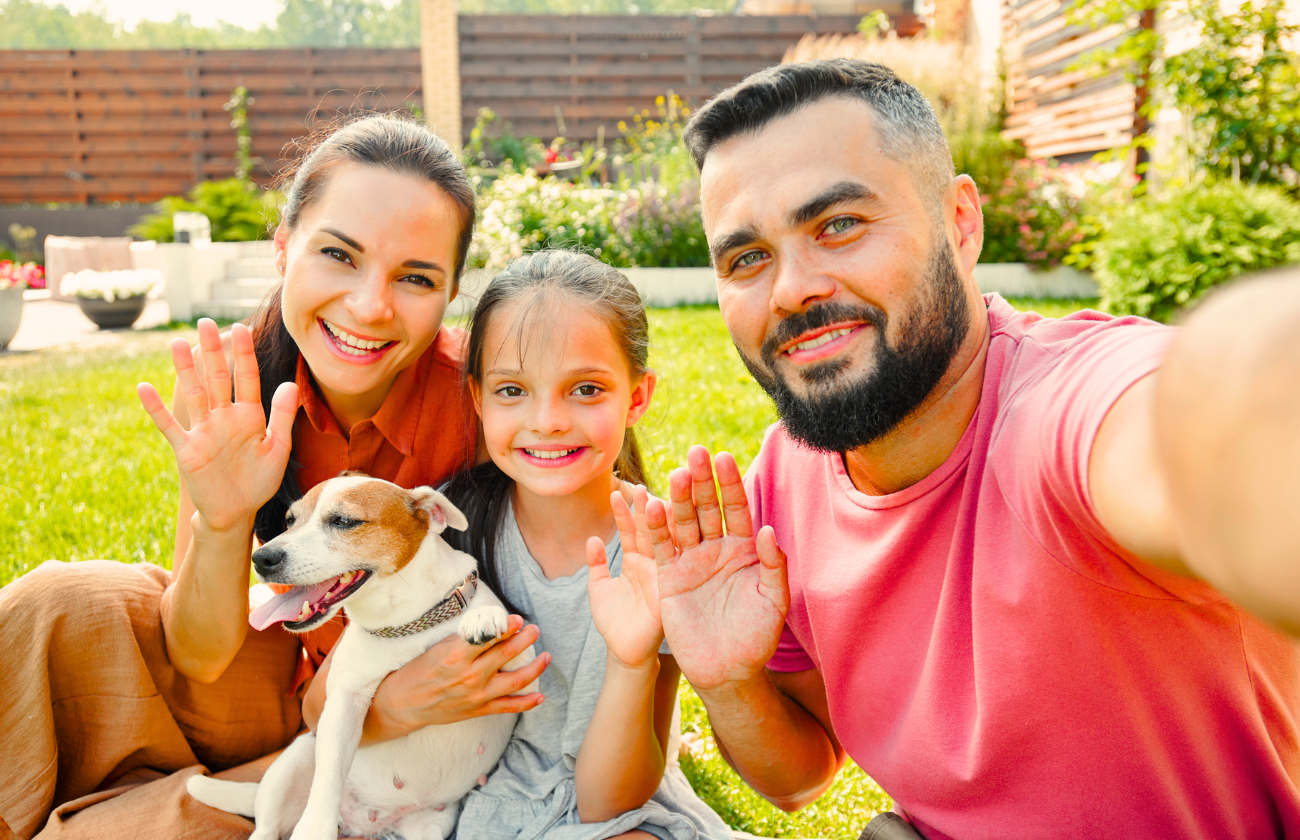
<point x="441" y="512"/>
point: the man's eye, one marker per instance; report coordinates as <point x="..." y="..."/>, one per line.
<point x="747" y="259"/>
<point x="840" y="224"/>
<point x="587" y="390"/>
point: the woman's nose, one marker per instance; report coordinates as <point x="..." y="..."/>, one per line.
<point x="372" y="303"/>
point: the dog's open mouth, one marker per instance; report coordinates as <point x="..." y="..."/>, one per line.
<point x="303" y="607"/>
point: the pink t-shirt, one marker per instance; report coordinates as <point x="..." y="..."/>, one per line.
<point x="994" y="659"/>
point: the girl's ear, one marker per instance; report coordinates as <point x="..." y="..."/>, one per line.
<point x="476" y="396"/>
<point x="642" y="392"/>
<point x="281" y="240"/>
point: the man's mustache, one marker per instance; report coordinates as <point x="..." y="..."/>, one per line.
<point x="817" y="317"/>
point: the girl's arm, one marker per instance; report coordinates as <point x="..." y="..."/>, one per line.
<point x="624" y="752"/>
<point x="230" y="462"/>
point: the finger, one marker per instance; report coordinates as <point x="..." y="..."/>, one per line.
<point x="279" y="426"/>
<point x="772" y="578"/>
<point x="187" y="382"/>
<point x="512" y="704"/>
<point x="513" y="682"/>
<point x="705" y="493"/>
<point x="685" y="526"/>
<point x="248" y="385"/>
<point x="597" y="562"/>
<point x="624" y="520"/>
<point x="661" y="541"/>
<point x="497" y="653"/>
<point x="161" y="417"/>
<point x="216" y="373"/>
<point x="735" y="504"/>
<point x="644" y="547"/>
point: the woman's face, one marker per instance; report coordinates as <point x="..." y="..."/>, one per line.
<point x="367" y="277"/>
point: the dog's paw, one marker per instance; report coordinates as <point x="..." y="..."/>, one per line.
<point x="482" y="624"/>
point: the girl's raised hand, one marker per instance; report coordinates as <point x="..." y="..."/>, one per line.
<point x="625" y="609"/>
<point x="231" y="459"/>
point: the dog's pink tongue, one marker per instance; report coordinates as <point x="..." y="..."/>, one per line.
<point x="288" y="607"/>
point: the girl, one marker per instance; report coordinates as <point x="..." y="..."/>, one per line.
<point x="124" y="678"/>
<point x="557" y="370"/>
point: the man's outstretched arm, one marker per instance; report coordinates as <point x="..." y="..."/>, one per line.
<point x="723" y="599"/>
<point x="1197" y="467"/>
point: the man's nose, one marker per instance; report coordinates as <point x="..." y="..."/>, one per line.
<point x="798" y="283"/>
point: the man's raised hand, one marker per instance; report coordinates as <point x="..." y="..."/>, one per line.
<point x="723" y="597"/>
<point x="230" y="459"/>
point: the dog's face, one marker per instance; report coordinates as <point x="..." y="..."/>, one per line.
<point x="343" y="532"/>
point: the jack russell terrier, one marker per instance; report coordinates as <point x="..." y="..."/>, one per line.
<point x="375" y="546"/>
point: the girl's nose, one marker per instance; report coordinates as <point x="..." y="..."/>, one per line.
<point x="372" y="302"/>
<point x="550" y="416"/>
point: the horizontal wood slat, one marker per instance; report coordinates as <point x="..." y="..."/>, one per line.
<point x="96" y="126"/>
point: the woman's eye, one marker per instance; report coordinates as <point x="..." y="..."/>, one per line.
<point x="587" y="390"/>
<point x="337" y="253"/>
<point x="420" y="280"/>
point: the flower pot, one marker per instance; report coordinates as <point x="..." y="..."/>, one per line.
<point x="106" y="315"/>
<point x="11" y="313"/>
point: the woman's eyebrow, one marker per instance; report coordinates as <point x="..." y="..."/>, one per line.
<point x="428" y="266"/>
<point x="347" y="240"/>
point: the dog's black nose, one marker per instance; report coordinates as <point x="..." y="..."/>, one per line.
<point x="267" y="558"/>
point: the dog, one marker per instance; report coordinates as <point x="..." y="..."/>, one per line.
<point x="372" y="549"/>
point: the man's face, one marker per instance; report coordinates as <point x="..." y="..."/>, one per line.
<point x="835" y="277"/>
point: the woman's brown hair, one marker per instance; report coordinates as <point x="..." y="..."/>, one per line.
<point x="386" y="141"/>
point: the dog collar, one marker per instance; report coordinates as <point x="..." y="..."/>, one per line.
<point x="448" y="607"/>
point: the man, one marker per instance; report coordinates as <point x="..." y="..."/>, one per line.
<point x="1009" y="539"/>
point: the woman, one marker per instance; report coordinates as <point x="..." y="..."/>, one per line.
<point x="126" y="679"/>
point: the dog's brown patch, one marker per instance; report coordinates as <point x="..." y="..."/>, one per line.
<point x="392" y="531"/>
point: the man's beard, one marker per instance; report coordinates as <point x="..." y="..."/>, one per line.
<point x="839" y="416"/>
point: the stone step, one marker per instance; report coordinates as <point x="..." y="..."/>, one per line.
<point x="229" y="309"/>
<point x="244" y="267"/>
<point x="244" y="287"/>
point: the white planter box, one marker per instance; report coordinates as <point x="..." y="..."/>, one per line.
<point x="1019" y="280"/>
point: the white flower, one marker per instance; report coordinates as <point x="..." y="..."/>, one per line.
<point x="113" y="285"/>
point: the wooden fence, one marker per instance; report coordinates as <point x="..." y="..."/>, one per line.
<point x="1054" y="110"/>
<point x="106" y="126"/>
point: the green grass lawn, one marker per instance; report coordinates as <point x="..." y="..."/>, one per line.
<point x="83" y="474"/>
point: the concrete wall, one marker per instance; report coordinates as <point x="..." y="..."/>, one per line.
<point x="76" y="221"/>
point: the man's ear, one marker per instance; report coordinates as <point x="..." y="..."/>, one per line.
<point x="642" y="393"/>
<point x="968" y="218"/>
<point x="441" y="512"/>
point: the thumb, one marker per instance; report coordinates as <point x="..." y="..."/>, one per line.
<point x="284" y="408"/>
<point x="597" y="563"/>
<point x="772" y="580"/>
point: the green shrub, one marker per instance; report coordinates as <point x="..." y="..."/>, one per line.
<point x="239" y="211"/>
<point x="1163" y="253"/>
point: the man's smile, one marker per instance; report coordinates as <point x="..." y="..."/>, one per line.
<point x="824" y="342"/>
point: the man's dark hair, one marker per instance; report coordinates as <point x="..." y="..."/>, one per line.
<point x="909" y="130"/>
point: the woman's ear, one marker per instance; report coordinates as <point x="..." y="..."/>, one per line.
<point x="281" y="240"/>
<point x="642" y="393"/>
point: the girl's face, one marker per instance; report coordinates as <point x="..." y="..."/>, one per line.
<point x="367" y="277"/>
<point x="554" y="417"/>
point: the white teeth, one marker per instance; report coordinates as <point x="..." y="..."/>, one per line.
<point x="306" y="611"/>
<point x="549" y="454"/>
<point x="812" y="344"/>
<point x="345" y="579"/>
<point x="350" y="344"/>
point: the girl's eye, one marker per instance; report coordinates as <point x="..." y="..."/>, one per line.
<point x="840" y="224"/>
<point x="587" y="390"/>
<point x="337" y="253"/>
<point x="510" y="391"/>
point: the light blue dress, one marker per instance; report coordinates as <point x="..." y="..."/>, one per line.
<point x="531" y="793"/>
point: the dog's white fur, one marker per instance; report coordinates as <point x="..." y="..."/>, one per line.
<point x="410" y="787"/>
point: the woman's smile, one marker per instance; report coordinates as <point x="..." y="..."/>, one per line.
<point x="353" y="347"/>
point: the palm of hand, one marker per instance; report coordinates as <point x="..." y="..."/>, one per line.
<point x="722" y="622"/>
<point x="625" y="610"/>
<point x="229" y="464"/>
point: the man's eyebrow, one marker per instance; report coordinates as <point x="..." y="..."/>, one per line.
<point x="346" y="239"/>
<point x="731" y="241"/>
<point x="840" y="193"/>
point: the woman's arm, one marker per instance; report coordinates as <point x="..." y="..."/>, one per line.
<point x="449" y="682"/>
<point x="230" y="462"/>
<point x="624" y="752"/>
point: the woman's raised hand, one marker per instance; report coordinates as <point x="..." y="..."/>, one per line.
<point x="231" y="460"/>
<point x="625" y="609"/>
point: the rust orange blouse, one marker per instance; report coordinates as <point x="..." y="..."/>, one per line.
<point x="424" y="432"/>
